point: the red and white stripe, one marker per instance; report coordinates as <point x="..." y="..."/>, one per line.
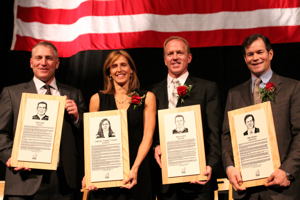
<point x="77" y="25"/>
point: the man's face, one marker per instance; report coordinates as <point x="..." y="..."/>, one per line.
<point x="249" y="122"/>
<point x="176" y="57"/>
<point x="44" y="63"/>
<point x="41" y="108"/>
<point x="258" y="58"/>
<point x="179" y="121"/>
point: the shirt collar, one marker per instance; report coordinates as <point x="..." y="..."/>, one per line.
<point x="39" y="84"/>
<point x="265" y="77"/>
<point x="181" y="78"/>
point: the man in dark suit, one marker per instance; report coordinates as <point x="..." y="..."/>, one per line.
<point x="179" y="122"/>
<point x="23" y="183"/>
<point x="250" y="123"/>
<point x="283" y="183"/>
<point x="177" y="56"/>
<point x="41" y="111"/>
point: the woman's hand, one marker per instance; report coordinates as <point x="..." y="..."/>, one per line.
<point x="131" y="180"/>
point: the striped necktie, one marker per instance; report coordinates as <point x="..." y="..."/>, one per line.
<point x="256" y="93"/>
<point x="174" y="96"/>
<point x="47" y="87"/>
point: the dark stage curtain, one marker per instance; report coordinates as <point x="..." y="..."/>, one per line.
<point x="224" y="65"/>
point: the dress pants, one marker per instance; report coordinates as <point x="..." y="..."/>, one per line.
<point x="53" y="187"/>
<point x="254" y="193"/>
<point x="185" y="191"/>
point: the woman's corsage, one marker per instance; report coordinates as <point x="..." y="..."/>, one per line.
<point x="268" y="92"/>
<point x="137" y="99"/>
<point x="183" y="91"/>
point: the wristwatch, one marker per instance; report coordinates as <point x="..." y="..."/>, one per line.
<point x="290" y="177"/>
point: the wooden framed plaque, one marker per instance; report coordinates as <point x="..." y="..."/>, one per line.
<point x="182" y="145"/>
<point x="254" y="143"/>
<point x="38" y="132"/>
<point x="2" y="185"/>
<point x="106" y="150"/>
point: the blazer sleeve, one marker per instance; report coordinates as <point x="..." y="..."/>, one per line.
<point x="292" y="162"/>
<point x="155" y="91"/>
<point x="227" y="155"/>
<point x="6" y="125"/>
<point x="81" y="106"/>
<point x="213" y="120"/>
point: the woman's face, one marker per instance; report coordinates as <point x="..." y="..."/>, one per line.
<point x="120" y="71"/>
<point x="105" y="125"/>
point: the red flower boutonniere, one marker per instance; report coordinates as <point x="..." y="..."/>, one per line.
<point x="183" y="91"/>
<point x="268" y="92"/>
<point x="136" y="99"/>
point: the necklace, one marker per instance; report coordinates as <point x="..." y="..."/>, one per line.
<point x="121" y="101"/>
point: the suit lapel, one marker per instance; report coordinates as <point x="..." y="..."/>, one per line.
<point x="29" y="87"/>
<point x="165" y="101"/>
<point x="277" y="82"/>
<point x="188" y="81"/>
<point x="62" y="90"/>
<point x="246" y="89"/>
<point x="246" y="93"/>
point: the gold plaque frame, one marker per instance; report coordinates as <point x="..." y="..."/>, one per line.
<point x="22" y="117"/>
<point x="196" y="118"/>
<point x="266" y="109"/>
<point x="87" y="150"/>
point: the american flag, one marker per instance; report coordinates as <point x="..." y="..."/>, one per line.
<point x="79" y="25"/>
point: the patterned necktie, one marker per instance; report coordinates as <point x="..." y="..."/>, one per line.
<point x="47" y="87"/>
<point x="174" y="96"/>
<point x="256" y="93"/>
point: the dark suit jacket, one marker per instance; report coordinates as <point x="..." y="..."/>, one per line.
<point x="25" y="182"/>
<point x="286" y="114"/>
<point x="256" y="130"/>
<point x="45" y="117"/>
<point x="206" y="94"/>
